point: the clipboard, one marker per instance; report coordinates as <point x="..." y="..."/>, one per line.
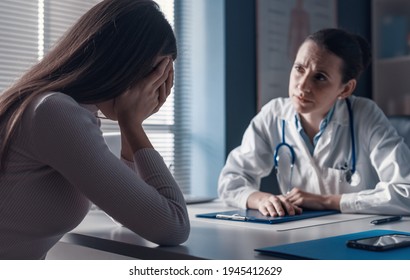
<point x="254" y="216"/>
<point x="334" y="248"/>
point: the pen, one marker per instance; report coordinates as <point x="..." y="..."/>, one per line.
<point x="386" y="220"/>
<point x="231" y="217"/>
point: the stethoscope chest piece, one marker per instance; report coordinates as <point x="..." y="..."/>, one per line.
<point x="352" y="178"/>
<point x="355" y="179"/>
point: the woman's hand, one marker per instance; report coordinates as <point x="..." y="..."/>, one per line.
<point x="138" y="103"/>
<point x="165" y="89"/>
<point x="272" y="205"/>
<point x="147" y="96"/>
<point x="313" y="201"/>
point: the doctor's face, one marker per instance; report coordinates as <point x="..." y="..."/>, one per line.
<point x="316" y="80"/>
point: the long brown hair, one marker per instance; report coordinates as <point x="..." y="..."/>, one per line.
<point x="110" y="48"/>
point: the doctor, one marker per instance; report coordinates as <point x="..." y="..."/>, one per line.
<point x="330" y="150"/>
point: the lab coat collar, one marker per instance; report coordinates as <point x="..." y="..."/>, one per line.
<point x="341" y="113"/>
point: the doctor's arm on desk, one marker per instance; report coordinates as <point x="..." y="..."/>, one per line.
<point x="273" y="205"/>
<point x="313" y="201"/>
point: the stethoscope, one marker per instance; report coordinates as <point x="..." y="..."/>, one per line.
<point x="351" y="176"/>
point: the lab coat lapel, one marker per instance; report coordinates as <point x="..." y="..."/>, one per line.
<point x="339" y="119"/>
<point x="324" y="153"/>
<point x="306" y="164"/>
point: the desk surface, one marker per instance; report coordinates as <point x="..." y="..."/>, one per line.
<point x="217" y="239"/>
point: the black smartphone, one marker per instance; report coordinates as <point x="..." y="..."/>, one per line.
<point x="381" y="242"/>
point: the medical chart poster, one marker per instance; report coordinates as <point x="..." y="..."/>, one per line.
<point x="282" y="25"/>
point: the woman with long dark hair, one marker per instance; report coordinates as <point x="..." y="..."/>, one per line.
<point x="118" y="59"/>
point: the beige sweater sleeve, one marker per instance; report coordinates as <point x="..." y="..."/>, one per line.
<point x="66" y="137"/>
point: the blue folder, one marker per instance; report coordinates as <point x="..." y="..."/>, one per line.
<point x="255" y="216"/>
<point x="334" y="248"/>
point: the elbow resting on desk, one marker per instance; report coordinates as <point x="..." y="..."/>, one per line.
<point x="166" y="238"/>
<point x="172" y="232"/>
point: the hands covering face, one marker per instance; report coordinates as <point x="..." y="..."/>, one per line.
<point x="147" y="96"/>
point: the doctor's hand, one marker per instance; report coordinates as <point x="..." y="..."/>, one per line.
<point x="272" y="205"/>
<point x="313" y="201"/>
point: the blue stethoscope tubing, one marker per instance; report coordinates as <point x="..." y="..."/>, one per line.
<point x="349" y="173"/>
<point x="349" y="108"/>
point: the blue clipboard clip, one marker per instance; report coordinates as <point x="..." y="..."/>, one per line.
<point x="235" y="217"/>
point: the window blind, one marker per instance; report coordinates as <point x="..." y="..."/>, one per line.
<point x="59" y="16"/>
<point x="182" y="94"/>
<point x="29" y="29"/>
<point x="18" y="39"/>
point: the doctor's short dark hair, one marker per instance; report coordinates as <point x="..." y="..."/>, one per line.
<point x="353" y="49"/>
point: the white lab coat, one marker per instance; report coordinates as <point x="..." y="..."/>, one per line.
<point x="383" y="159"/>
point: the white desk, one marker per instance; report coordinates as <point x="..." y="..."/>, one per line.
<point x="216" y="239"/>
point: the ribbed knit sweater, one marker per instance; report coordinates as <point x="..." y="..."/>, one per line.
<point x="59" y="162"/>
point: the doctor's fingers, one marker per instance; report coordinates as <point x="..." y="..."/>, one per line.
<point x="297" y="196"/>
<point x="290" y="207"/>
<point x="273" y="207"/>
<point x="270" y="210"/>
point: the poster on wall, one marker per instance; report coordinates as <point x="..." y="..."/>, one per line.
<point x="282" y="25"/>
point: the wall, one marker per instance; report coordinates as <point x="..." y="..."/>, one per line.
<point x="355" y="16"/>
<point x="240" y="77"/>
<point x="208" y="99"/>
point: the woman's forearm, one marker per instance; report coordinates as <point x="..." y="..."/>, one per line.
<point x="133" y="138"/>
